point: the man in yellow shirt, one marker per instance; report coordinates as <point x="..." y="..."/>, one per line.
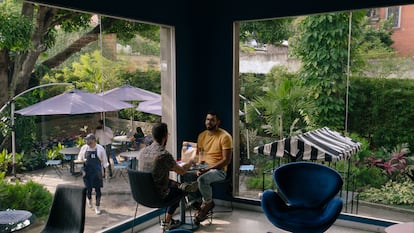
<point x="215" y="145"/>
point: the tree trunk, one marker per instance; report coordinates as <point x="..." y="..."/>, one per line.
<point x="25" y="61"/>
<point x="73" y="48"/>
<point x="4" y="78"/>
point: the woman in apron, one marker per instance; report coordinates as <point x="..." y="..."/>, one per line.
<point x="95" y="157"/>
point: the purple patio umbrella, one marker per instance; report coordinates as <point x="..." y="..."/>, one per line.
<point x="151" y="106"/>
<point x="74" y="102"/>
<point x="130" y="93"/>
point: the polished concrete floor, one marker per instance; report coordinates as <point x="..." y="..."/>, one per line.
<point x="245" y="221"/>
<point x="118" y="206"/>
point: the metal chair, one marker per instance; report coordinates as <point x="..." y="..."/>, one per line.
<point x="121" y="167"/>
<point x="306" y="198"/>
<point x="67" y="214"/>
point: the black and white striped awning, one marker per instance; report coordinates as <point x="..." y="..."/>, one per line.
<point x="321" y="144"/>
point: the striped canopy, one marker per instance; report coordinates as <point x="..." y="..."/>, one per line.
<point x="321" y="144"/>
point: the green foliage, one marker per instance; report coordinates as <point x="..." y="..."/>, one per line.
<point x="284" y="107"/>
<point x="29" y="196"/>
<point x="34" y="161"/>
<point x="264" y="31"/>
<point x="381" y="110"/>
<point x="54" y="152"/>
<point x="6" y="162"/>
<point x="392" y="193"/>
<point x="15" y="30"/>
<point x="88" y="72"/>
<point x="140" y="45"/>
<point x="322" y="44"/>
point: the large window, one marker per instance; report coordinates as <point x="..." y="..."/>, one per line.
<point x="286" y="65"/>
<point x="394" y="13"/>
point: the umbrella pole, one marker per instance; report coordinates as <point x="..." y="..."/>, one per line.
<point x="13" y="135"/>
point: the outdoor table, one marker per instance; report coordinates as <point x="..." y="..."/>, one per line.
<point x="123" y="140"/>
<point x="14" y="220"/>
<point x="131" y="155"/>
<point x="72" y="152"/>
<point x="184" y="223"/>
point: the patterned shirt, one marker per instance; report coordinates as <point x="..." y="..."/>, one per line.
<point x="155" y="159"/>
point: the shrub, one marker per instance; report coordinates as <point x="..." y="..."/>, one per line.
<point x="392" y="193"/>
<point x="30" y="196"/>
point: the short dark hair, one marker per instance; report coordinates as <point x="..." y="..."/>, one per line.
<point x="159" y="130"/>
<point x="213" y="113"/>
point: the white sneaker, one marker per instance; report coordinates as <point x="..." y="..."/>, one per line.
<point x="170" y="225"/>
<point x="97" y="210"/>
<point x="89" y="202"/>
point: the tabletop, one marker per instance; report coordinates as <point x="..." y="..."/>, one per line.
<point x="122" y="138"/>
<point x="129" y="154"/>
<point x="70" y="150"/>
<point x="407" y="227"/>
<point x="14" y="220"/>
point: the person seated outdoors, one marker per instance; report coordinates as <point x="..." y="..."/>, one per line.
<point x="215" y="149"/>
<point x="157" y="160"/>
<point x="138" y="137"/>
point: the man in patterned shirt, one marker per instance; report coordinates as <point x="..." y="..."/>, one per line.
<point x="157" y="160"/>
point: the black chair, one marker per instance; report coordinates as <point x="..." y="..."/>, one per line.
<point x="67" y="214"/>
<point x="144" y="192"/>
<point x="223" y="190"/>
<point x="306" y="198"/>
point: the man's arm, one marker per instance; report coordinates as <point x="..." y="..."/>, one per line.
<point x="226" y="159"/>
<point x="181" y="170"/>
<point x="81" y="155"/>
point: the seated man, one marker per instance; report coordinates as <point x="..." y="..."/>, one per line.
<point x="157" y="160"/>
<point x="215" y="148"/>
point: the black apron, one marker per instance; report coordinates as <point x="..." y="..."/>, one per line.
<point x="93" y="170"/>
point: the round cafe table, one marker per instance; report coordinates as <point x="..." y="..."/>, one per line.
<point x="14" y="220"/>
<point x="121" y="141"/>
<point x="131" y="155"/>
<point x="122" y="138"/>
<point x="72" y="152"/>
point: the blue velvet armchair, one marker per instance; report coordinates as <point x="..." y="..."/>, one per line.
<point x="306" y="197"/>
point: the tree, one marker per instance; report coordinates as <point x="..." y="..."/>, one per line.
<point x="284" y="107"/>
<point x="15" y="32"/>
<point x="266" y="32"/>
<point x="322" y="45"/>
<point x="20" y="60"/>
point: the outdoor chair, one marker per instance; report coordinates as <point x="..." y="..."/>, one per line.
<point x="120" y="168"/>
<point x="144" y="192"/>
<point x="56" y="164"/>
<point x="67" y="214"/>
<point x="306" y="197"/>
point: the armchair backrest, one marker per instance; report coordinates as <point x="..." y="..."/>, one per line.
<point x="67" y="213"/>
<point x="143" y="189"/>
<point x="307" y="184"/>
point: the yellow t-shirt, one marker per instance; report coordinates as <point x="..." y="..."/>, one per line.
<point x="214" y="144"/>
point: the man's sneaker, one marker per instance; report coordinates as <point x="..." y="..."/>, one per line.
<point x="189" y="187"/>
<point x="170" y="225"/>
<point x="204" y="212"/>
<point x="89" y="202"/>
<point x="195" y="205"/>
<point x="97" y="210"/>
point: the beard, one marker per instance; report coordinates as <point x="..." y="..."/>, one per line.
<point x="211" y="127"/>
